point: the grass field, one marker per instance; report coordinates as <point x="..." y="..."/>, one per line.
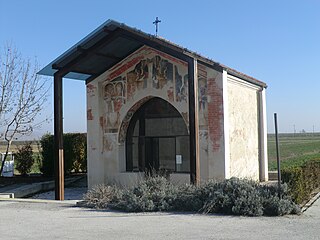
<point x="16" y="144"/>
<point x="295" y="150"/>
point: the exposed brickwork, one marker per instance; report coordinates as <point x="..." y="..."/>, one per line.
<point x="215" y="113"/>
<point x="102" y="122"/>
<point x="89" y="114"/>
<point x="125" y="67"/>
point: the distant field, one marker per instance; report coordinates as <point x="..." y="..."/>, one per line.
<point x="16" y="144"/>
<point x="294" y="149"/>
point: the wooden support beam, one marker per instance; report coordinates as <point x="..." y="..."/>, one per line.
<point x="111" y="56"/>
<point x="58" y="138"/>
<point x="194" y="122"/>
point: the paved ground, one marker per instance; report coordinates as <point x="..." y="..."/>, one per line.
<point x="74" y="191"/>
<point x="52" y="220"/>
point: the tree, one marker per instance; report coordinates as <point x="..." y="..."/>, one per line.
<point x="22" y="96"/>
<point x="24" y="159"/>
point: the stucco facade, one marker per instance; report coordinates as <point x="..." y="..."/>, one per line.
<point x="229" y="120"/>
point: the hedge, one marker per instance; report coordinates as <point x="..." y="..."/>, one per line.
<point x="302" y="180"/>
<point x="75" y="153"/>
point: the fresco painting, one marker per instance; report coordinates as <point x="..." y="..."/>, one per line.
<point x="145" y="72"/>
<point x="114" y="97"/>
<point x="181" y="86"/>
<point x="203" y="96"/>
<point x="137" y="78"/>
<point x="162" y="72"/>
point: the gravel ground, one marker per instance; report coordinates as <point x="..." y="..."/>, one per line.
<point x="73" y="192"/>
<point x="60" y="220"/>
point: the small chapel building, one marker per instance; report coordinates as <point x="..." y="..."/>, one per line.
<point x="154" y="106"/>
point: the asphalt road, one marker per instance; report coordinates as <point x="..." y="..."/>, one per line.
<point x="52" y="220"/>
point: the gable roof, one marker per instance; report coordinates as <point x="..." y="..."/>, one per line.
<point x="113" y="41"/>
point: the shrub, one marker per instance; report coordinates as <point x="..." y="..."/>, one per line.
<point x="187" y="198"/>
<point x="232" y="196"/>
<point x="101" y="196"/>
<point x="274" y="206"/>
<point x="294" y="178"/>
<point x="47" y="153"/>
<point x="24" y="159"/>
<point x="75" y="153"/>
<point x="151" y="194"/>
<point x="302" y="180"/>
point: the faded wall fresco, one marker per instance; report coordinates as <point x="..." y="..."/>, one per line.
<point x="114" y="98"/>
<point x="210" y="122"/>
<point x="203" y="96"/>
<point x="144" y="74"/>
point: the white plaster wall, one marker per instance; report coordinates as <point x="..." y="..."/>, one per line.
<point x="126" y="179"/>
<point x="243" y="117"/>
<point x="263" y="137"/>
<point x="180" y="178"/>
<point x="94" y="154"/>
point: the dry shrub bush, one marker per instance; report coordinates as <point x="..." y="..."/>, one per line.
<point x="101" y="196"/>
<point x="152" y="194"/>
<point x="232" y="196"/>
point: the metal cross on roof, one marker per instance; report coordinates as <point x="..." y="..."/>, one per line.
<point x="156" y="22"/>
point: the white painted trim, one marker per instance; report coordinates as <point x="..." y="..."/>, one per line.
<point x="263" y="136"/>
<point x="235" y="80"/>
<point x="226" y="124"/>
<point x="196" y="120"/>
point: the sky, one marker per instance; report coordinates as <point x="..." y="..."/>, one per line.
<point x="277" y="42"/>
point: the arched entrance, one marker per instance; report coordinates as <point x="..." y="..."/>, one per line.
<point x="157" y="139"/>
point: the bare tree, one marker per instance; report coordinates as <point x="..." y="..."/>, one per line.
<point x="22" y="97"/>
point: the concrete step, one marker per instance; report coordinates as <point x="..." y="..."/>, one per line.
<point x="24" y="190"/>
<point x="6" y="195"/>
<point x="273" y="175"/>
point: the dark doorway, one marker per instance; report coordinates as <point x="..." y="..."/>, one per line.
<point x="157" y="139"/>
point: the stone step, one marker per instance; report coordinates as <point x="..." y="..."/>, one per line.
<point x="273" y="175"/>
<point x="6" y="195"/>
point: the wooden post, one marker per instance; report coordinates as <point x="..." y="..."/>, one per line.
<point x="58" y="138"/>
<point x="194" y="122"/>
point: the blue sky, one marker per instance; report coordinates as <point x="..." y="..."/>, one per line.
<point x="277" y="42"/>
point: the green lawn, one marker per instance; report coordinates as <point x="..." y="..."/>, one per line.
<point x="294" y="150"/>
